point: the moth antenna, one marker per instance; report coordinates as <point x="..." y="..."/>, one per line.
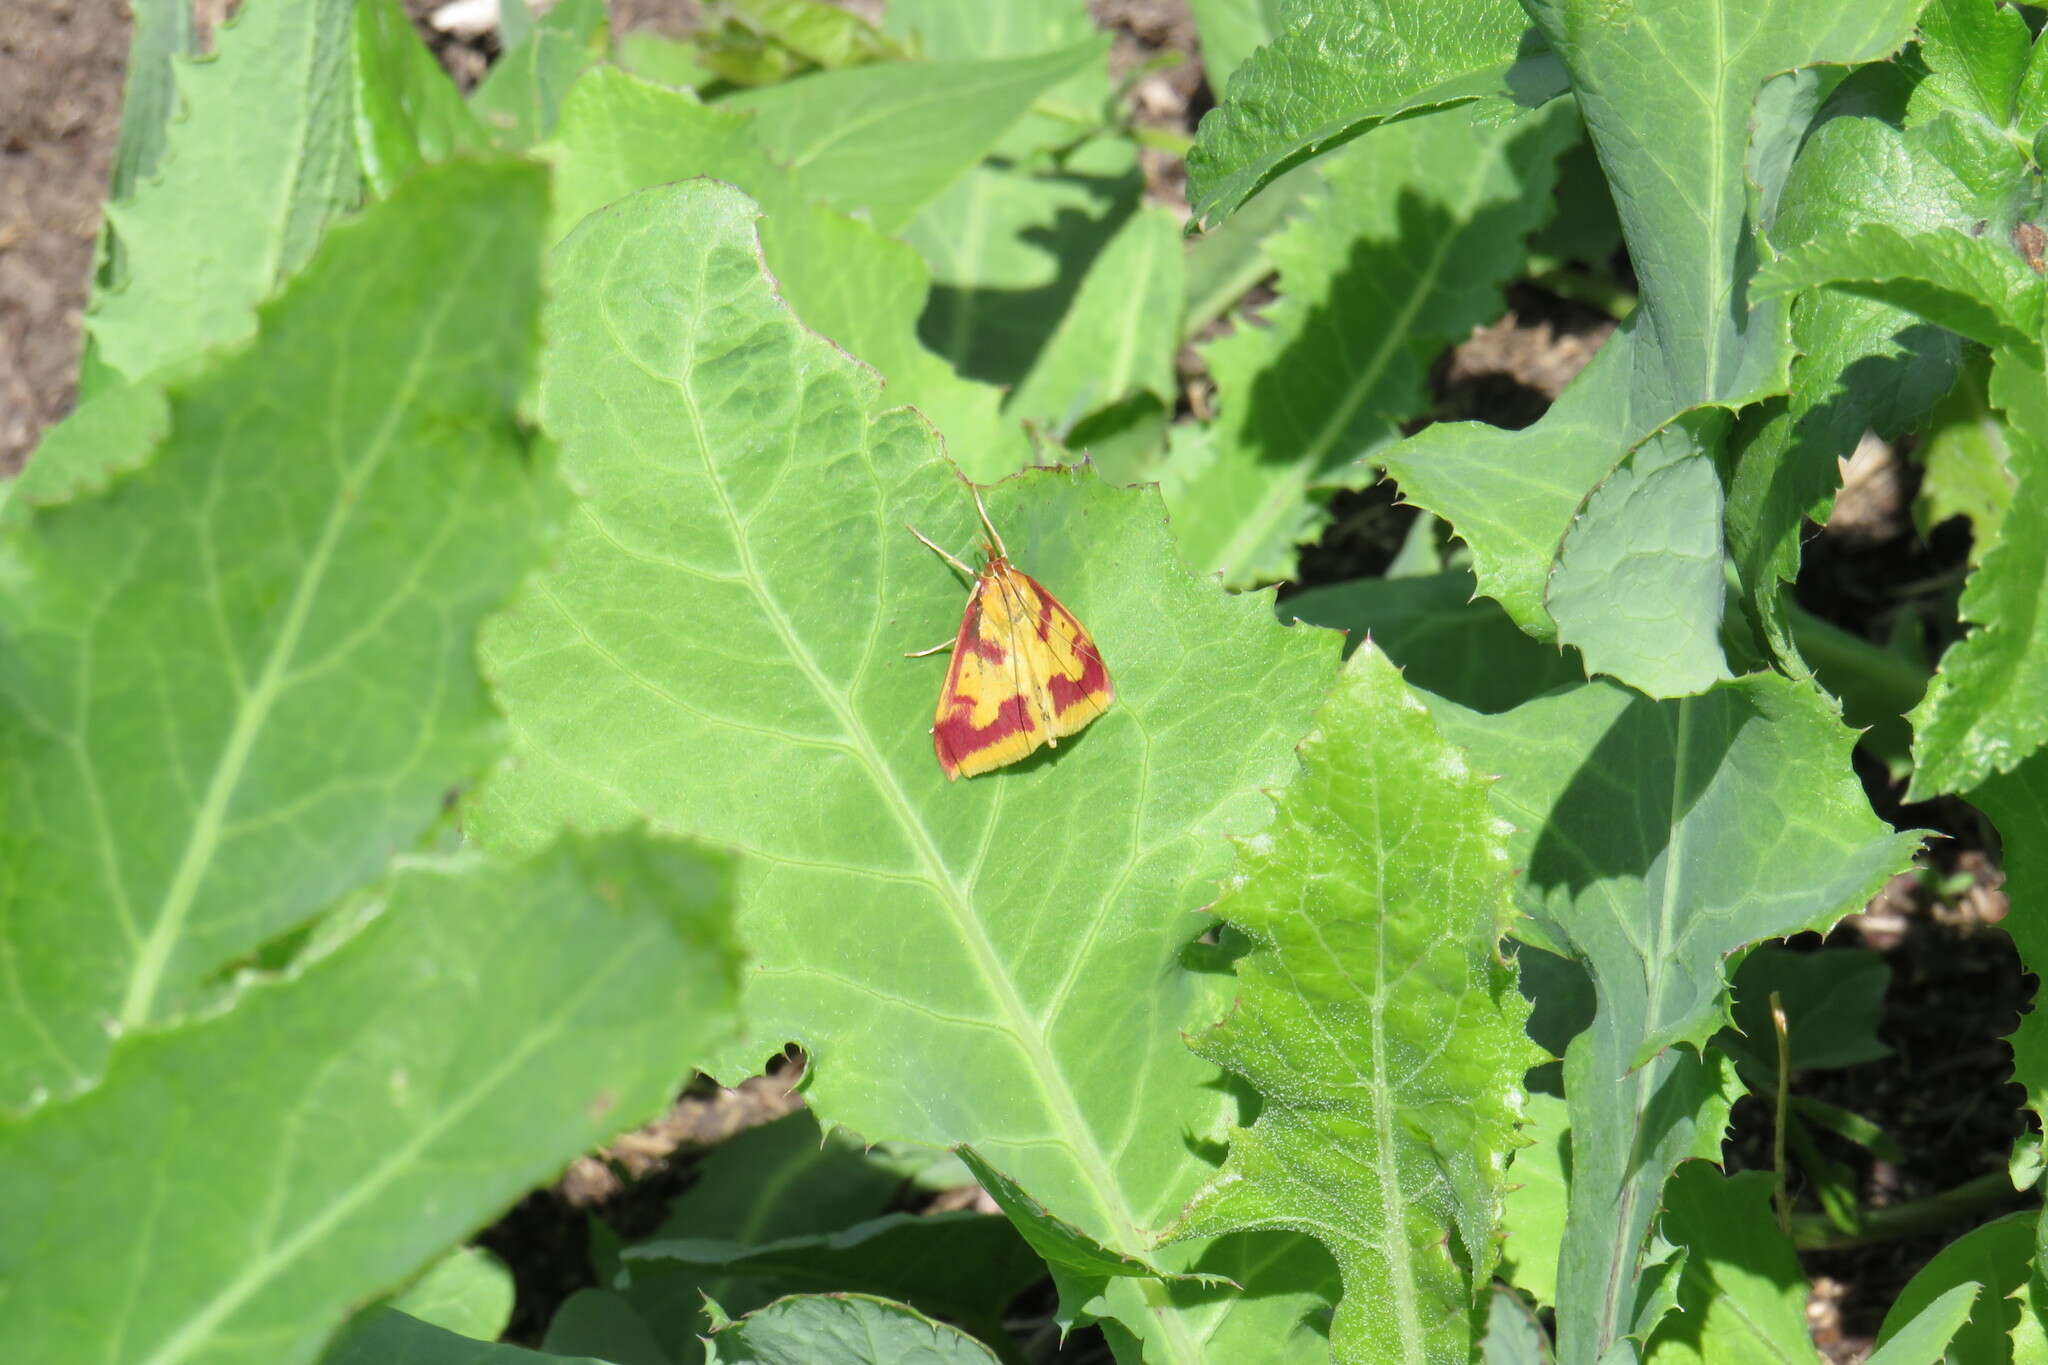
<point x="994" y="535"/>
<point x="937" y="551"/>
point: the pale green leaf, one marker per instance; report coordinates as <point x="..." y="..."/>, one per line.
<point x="1118" y="339"/>
<point x="1443" y="637"/>
<point x="240" y="680"/>
<point x="1997" y="1258"/>
<point x="1375" y="1017"/>
<point x="1628" y="812"/>
<point x="885" y="140"/>
<point x="1513" y="1335"/>
<point x="1008" y="246"/>
<point x="1406" y="252"/>
<point x="1230" y="29"/>
<point x="1741" y="1293"/>
<point x="757" y="42"/>
<point x="1982" y="714"/>
<point x="846" y="1329"/>
<point x="1924" y="1339"/>
<point x="408" y="113"/>
<point x="521" y="94"/>
<point x="259" y="160"/>
<point x="844" y="279"/>
<point x="1638" y="586"/>
<point x="468" y="1291"/>
<point x="161" y="32"/>
<point x="1227" y="260"/>
<point x="665" y="61"/>
<point x="1533" y="1211"/>
<point x="1337" y="70"/>
<point x="110" y="433"/>
<point x="945" y="30"/>
<point x="493" y="1020"/>
<point x="735" y="594"/>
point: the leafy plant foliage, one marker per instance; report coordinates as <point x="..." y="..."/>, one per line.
<point x="460" y="677"/>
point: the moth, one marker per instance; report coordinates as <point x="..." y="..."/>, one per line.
<point x="1024" y="673"/>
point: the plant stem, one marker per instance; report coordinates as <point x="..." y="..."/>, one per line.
<point x="1779" y="1197"/>
<point x="1813" y="1232"/>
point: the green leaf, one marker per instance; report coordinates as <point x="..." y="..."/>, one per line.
<point x="408" y="113"/>
<point x="238" y="681"/>
<point x="965" y="1267"/>
<point x="1443" y="637"/>
<point x="1224" y="263"/>
<point x="735" y="595"/>
<point x="1862" y="363"/>
<point x="1640" y="879"/>
<point x="1981" y="716"/>
<point x="847" y="1329"/>
<point x="1533" y="1211"/>
<point x="1996" y="1258"/>
<point x="1965" y="464"/>
<point x="1376" y="1018"/>
<point x="1008" y="247"/>
<point x="945" y="31"/>
<point x="1406" y="252"/>
<point x="1924" y="1339"/>
<point x="1976" y="59"/>
<point x="1638" y="585"/>
<point x="1741" y="1294"/>
<point x="919" y="126"/>
<point x="1833" y="1000"/>
<point x="2017" y="803"/>
<point x="844" y="279"/>
<point x="468" y="1291"/>
<point x="491" y="1020"/>
<point x="1669" y="101"/>
<point x="1513" y="1335"/>
<point x="162" y="32"/>
<point x="665" y="61"/>
<point x="520" y="96"/>
<point x="111" y="433"/>
<point x="1230" y="29"/>
<point x="1338" y="70"/>
<point x="389" y="1337"/>
<point x="1118" y="339"/>
<point x="259" y="161"/>
<point x="1979" y="288"/>
<point x="762" y="41"/>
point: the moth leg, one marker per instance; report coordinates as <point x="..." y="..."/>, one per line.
<point x="926" y="653"/>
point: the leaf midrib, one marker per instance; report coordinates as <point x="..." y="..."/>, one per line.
<point x="1077" y="1136"/>
<point x="153" y="959"/>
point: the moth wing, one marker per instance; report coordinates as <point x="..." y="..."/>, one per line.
<point x="987" y="714"/>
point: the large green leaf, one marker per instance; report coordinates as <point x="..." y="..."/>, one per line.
<point x="913" y="127"/>
<point x="1658" y="839"/>
<point x="1375" y="1017"/>
<point x="734" y="597"/>
<point x="1670" y="100"/>
<point x="1115" y="346"/>
<point x="1741" y="1296"/>
<point x="261" y="159"/>
<point x="344" y="1123"/>
<point x="1336" y="70"/>
<point x="865" y="291"/>
<point x="390" y="1337"/>
<point x="235" y="683"/>
<point x="1406" y="252"/>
